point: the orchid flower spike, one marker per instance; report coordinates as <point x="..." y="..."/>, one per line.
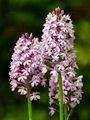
<point x="58" y="44"/>
<point x="27" y="65"/>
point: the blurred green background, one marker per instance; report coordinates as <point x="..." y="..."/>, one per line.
<point x="19" y="16"/>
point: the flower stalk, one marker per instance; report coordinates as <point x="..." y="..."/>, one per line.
<point x="29" y="101"/>
<point x="65" y="113"/>
<point x="69" y="114"/>
<point x="60" y="97"/>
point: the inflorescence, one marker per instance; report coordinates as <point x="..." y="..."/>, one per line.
<point x="27" y="65"/>
<point x="58" y="43"/>
<point x="55" y="53"/>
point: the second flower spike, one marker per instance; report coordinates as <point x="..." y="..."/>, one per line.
<point x="58" y="44"/>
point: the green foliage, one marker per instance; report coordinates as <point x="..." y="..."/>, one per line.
<point x="82" y="42"/>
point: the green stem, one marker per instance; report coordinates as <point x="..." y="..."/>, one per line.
<point x="65" y="113"/>
<point x="60" y="97"/>
<point x="29" y="101"/>
<point x="69" y="114"/>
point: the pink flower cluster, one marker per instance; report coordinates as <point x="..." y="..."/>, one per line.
<point x="27" y="63"/>
<point x="58" y="43"/>
<point x="55" y="53"/>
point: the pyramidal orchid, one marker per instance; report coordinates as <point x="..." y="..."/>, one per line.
<point x="27" y="63"/>
<point x="27" y="69"/>
<point x="58" y="43"/>
<point x="55" y="54"/>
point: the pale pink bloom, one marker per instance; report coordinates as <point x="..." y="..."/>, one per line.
<point x="27" y="64"/>
<point x="35" y="96"/>
<point x="58" y="46"/>
<point x="52" y="111"/>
